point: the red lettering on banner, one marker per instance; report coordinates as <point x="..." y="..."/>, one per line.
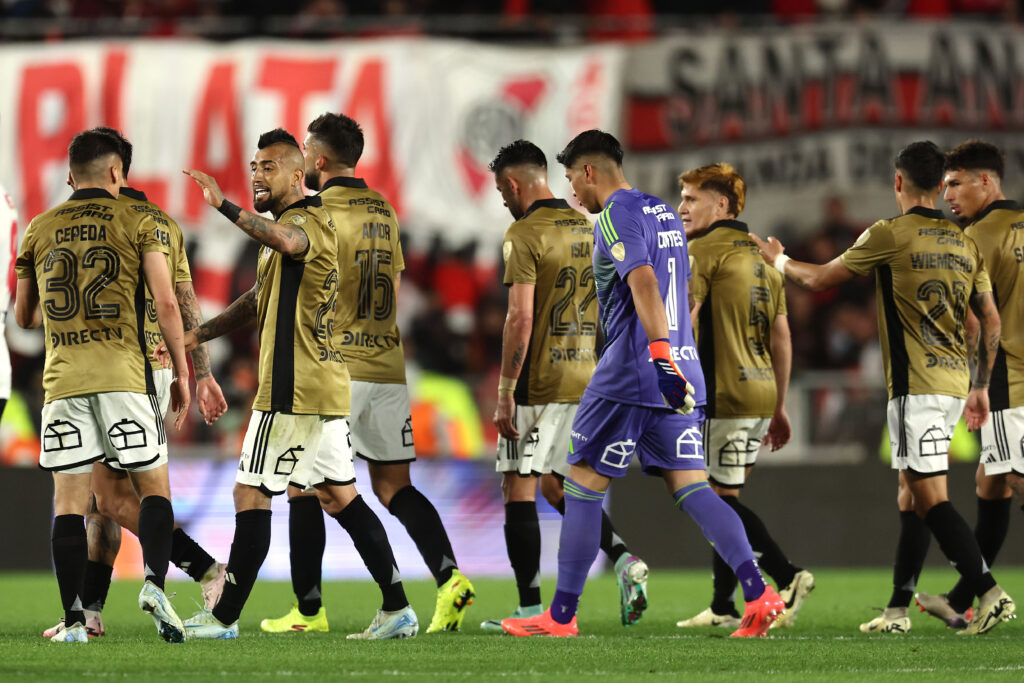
<point x="368" y="106"/>
<point x="38" y="146"/>
<point x="295" y="79"/>
<point x="113" y="78"/>
<point x="218" y="115"/>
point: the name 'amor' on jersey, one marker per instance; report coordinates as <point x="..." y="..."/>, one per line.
<point x="636" y="229"/>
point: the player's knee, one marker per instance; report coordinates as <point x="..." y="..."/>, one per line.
<point x="552" y="490"/>
<point x="1016" y="484"/>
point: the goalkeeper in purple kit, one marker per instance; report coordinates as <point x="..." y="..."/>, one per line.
<point x="647" y="394"/>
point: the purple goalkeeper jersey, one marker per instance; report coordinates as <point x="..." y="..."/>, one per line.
<point x="636" y="229"/>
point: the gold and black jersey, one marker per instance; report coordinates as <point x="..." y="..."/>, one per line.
<point x="369" y="260"/>
<point x="86" y="258"/>
<point x="926" y="269"/>
<point x="169" y="234"/>
<point x="551" y="247"/>
<point x="302" y="371"/>
<point x="740" y="298"/>
<point x="999" y="234"/>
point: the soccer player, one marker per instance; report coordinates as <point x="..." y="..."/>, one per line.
<point x="298" y="434"/>
<point x="739" y="313"/>
<point x="370" y="266"/>
<point x="100" y="397"/>
<point x="114" y="502"/>
<point x="927" y="273"/>
<point x="641" y="268"/>
<point x="548" y="355"/>
<point x="973" y="179"/>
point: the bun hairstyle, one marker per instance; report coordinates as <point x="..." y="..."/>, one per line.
<point x="721" y="178"/>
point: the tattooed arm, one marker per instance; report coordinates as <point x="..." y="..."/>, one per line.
<point x="987" y="342"/>
<point x="241" y="312"/>
<point x="209" y="395"/>
<point x="514" y="340"/>
<point x="287" y="239"/>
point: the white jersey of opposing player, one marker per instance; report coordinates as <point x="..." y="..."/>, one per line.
<point x="8" y="246"/>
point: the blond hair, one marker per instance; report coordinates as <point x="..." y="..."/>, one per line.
<point x="721" y="178"/>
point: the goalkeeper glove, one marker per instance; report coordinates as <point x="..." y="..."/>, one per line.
<point x="675" y="390"/>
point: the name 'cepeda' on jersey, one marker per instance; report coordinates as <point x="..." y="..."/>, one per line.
<point x="926" y="269"/>
<point x="551" y="247"/>
<point x="999" y="234"/>
<point x="169" y="234"/>
<point x="369" y="260"/>
<point x="86" y="257"/>
<point x="740" y="298"/>
<point x="302" y="371"/>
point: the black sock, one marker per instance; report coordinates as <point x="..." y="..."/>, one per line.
<point x="96" y="585"/>
<point x="420" y="519"/>
<point x="723" y="579"/>
<point x="307" y="539"/>
<point x="156" y="528"/>
<point x="189" y="556"/>
<point x="248" y="550"/>
<point x="372" y="543"/>
<point x="911" y="551"/>
<point x="522" y="539"/>
<point x="70" y="553"/>
<point x="772" y="560"/>
<point x="990" y="532"/>
<point x="959" y="545"/>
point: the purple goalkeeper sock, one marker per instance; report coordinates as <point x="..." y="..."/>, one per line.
<point x="577" y="547"/>
<point x="722" y="527"/>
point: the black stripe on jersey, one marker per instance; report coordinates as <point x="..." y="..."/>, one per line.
<point x="999" y="380"/>
<point x="282" y="375"/>
<point x="899" y="361"/>
<point x="706" y="353"/>
<point x="259" y="445"/>
<point x="140" y="324"/>
<point x="901" y="446"/>
<point x="999" y="430"/>
<point x="161" y="434"/>
<point x="521" y="395"/>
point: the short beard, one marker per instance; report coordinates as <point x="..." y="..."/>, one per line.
<point x="264" y="205"/>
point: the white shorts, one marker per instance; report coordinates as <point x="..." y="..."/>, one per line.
<point x="730" y="446"/>
<point x="1002" y="442"/>
<point x="920" y="429"/>
<point x="301" y="450"/>
<point x="121" y="428"/>
<point x="381" y="422"/>
<point x="5" y="361"/>
<point x="162" y="379"/>
<point x="543" y="445"/>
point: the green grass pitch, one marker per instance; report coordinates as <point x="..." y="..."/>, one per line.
<point x="824" y="644"/>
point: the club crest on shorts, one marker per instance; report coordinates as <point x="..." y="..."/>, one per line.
<point x="286" y="462"/>
<point x="619" y="454"/>
<point x="934" y="442"/>
<point x="690" y="445"/>
<point x="61" y="435"/>
<point x="127" y="434"/>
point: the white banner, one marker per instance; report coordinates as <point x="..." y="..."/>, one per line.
<point x="434" y="113"/>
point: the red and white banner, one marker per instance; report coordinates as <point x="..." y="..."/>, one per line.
<point x="434" y="113"/>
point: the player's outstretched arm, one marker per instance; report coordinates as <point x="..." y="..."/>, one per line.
<point x="779" y="430"/>
<point x="515" y="339"/>
<point x="989" y="329"/>
<point x="287" y="239"/>
<point x="807" y="275"/>
<point x="168" y="317"/>
<point x="650" y="308"/>
<point x="208" y="392"/>
<point x="26" y="304"/>
<point x="239" y="313"/>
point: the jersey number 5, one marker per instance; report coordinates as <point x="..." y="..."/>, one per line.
<point x="376" y="289"/>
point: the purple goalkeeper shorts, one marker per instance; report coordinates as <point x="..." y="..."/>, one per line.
<point x="606" y="434"/>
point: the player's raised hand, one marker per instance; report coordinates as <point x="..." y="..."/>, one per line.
<point x="779" y="430"/>
<point x="770" y="250"/>
<point x="505" y="417"/>
<point x="976" y="409"/>
<point x="210" y="398"/>
<point x="675" y="390"/>
<point x="211" y="191"/>
<point x="181" y="398"/>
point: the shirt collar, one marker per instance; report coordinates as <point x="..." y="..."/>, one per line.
<point x="132" y="193"/>
<point x="91" y="193"/>
<point x="344" y="181"/>
<point x="1007" y="204"/>
<point x="552" y="203"/>
<point x="927" y="213"/>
